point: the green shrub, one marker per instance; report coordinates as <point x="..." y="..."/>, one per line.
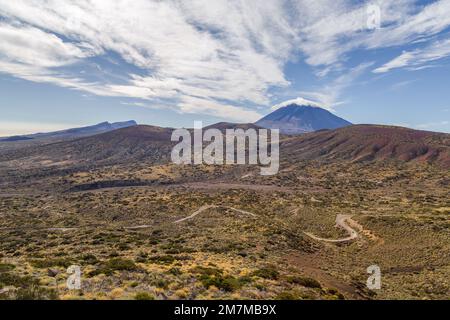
<point x="206" y="271"/>
<point x="174" y="271"/>
<point x="143" y="296"/>
<point x="214" y="277"/>
<point x="48" y="263"/>
<point x="112" y="265"/>
<point x="336" y="293"/>
<point x="305" y="281"/>
<point x="6" y="267"/>
<point x="287" y="295"/>
<point x="161" y="283"/>
<point x="167" y="259"/>
<point x="123" y="246"/>
<point x="227" y="283"/>
<point x="36" y="293"/>
<point x="90" y="259"/>
<point x="269" y="272"/>
<point x="27" y="288"/>
<point x="8" y="279"/>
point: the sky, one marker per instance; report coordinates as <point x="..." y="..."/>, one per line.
<point x="66" y="63"/>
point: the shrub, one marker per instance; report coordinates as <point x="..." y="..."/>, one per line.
<point x="143" y="296"/>
<point x="336" y="293"/>
<point x="36" y="293"/>
<point x="48" y="263"/>
<point x="90" y="259"/>
<point x="269" y="272"/>
<point x="160" y="283"/>
<point x="287" y="295"/>
<point x="214" y="277"/>
<point x="174" y="271"/>
<point x="123" y="246"/>
<point x="227" y="283"/>
<point x="116" y="264"/>
<point x="305" y="281"/>
<point x="206" y="271"/>
<point x="6" y="267"/>
<point x="8" y="279"/>
<point x="167" y="259"/>
<point x="27" y="288"/>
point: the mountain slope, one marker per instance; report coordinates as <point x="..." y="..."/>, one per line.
<point x="74" y="132"/>
<point x="19" y="142"/>
<point x="370" y="143"/>
<point x="359" y="143"/>
<point x="297" y="119"/>
<point x="131" y="144"/>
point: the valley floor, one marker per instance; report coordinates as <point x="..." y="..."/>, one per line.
<point x="219" y="232"/>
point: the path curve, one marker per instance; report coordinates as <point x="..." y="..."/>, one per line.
<point x="206" y="207"/>
<point x="341" y="222"/>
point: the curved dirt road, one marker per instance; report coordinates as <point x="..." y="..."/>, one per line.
<point x="341" y="222"/>
<point x="204" y="208"/>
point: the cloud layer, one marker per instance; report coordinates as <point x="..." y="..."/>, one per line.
<point x="418" y="59"/>
<point x="217" y="57"/>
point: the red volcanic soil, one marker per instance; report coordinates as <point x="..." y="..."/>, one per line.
<point x="361" y="143"/>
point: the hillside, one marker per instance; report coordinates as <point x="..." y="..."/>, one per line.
<point x="22" y="141"/>
<point x="116" y="199"/>
<point x="134" y="143"/>
<point x="366" y="143"/>
<point x="359" y="143"/>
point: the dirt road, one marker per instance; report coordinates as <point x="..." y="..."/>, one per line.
<point x="204" y="208"/>
<point x="341" y="222"/>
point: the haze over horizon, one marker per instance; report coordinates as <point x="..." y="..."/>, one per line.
<point x="67" y="64"/>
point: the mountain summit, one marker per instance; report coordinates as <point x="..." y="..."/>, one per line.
<point x="294" y="118"/>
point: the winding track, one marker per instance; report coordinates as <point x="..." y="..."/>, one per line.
<point x="341" y="222"/>
<point x="204" y="208"/>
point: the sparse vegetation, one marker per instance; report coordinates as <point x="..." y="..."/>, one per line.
<point x="143" y="296"/>
<point x="112" y="265"/>
<point x="128" y="246"/>
<point x="305" y="281"/>
<point x="268" y="272"/>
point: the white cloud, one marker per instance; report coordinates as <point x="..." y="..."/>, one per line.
<point x="202" y="55"/>
<point x="418" y="58"/>
<point x="402" y="84"/>
<point x="330" y="95"/>
<point x="34" y="47"/>
<point x="332" y="29"/>
<point x="198" y="105"/>
<point x="185" y="54"/>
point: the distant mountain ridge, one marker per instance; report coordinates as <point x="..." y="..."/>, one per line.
<point x="73" y="132"/>
<point x="298" y="119"/>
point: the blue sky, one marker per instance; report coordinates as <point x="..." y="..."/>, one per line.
<point x="67" y="63"/>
